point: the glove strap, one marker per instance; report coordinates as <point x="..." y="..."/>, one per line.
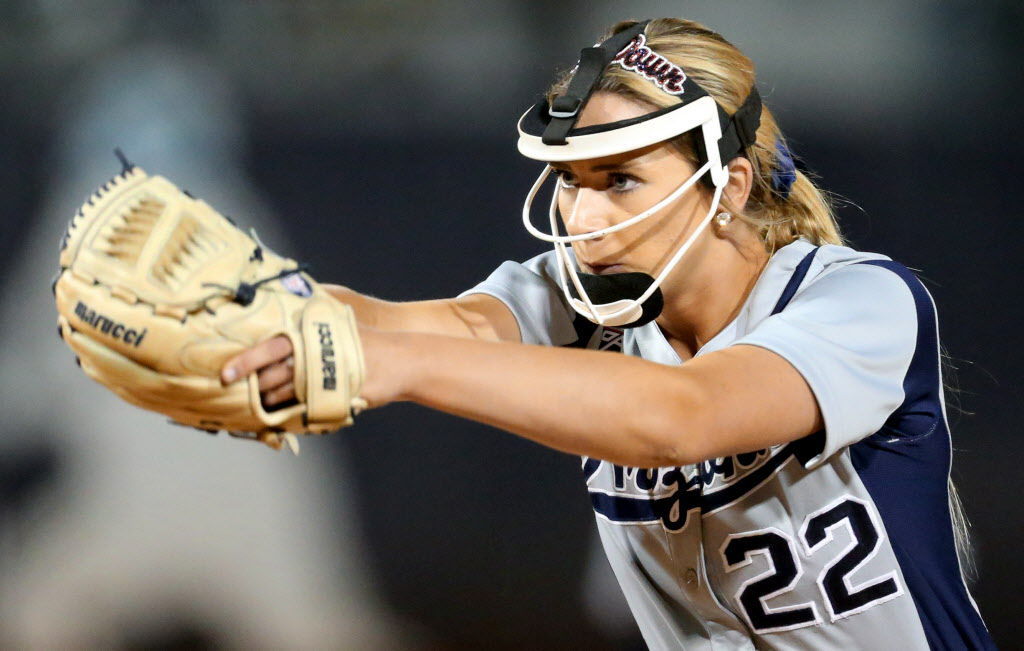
<point x="333" y="364"/>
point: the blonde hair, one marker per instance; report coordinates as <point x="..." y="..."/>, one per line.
<point x="727" y="75"/>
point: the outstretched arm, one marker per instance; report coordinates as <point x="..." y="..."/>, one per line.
<point x="614" y="407"/>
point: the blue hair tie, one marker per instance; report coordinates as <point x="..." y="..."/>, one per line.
<point x="784" y="175"/>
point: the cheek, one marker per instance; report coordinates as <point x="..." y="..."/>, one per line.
<point x="687" y="211"/>
<point x="660" y="234"/>
<point x="565" y="202"/>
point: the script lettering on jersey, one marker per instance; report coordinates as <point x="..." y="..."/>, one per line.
<point x="669" y="495"/>
<point x="327" y="363"/>
<point x="106" y="325"/>
<point x="637" y="57"/>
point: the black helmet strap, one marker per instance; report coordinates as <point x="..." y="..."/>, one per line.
<point x="565" y="109"/>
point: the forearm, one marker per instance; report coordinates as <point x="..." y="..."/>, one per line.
<point x="370" y="311"/>
<point x="612" y="407"/>
<point x="476" y="316"/>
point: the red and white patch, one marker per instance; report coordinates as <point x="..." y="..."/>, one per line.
<point x="637" y="57"/>
<point x="297" y="285"/>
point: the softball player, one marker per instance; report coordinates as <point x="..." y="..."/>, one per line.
<point x="768" y="460"/>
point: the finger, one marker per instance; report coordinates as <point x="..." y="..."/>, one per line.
<point x="275" y="375"/>
<point x="281" y="394"/>
<point x="263" y="354"/>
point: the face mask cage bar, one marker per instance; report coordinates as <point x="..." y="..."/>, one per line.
<point x="625" y="311"/>
<point x="547" y="133"/>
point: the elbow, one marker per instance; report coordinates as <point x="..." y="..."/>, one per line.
<point x="672" y="452"/>
<point x="680" y="430"/>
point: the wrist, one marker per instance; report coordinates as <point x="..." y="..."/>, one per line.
<point x="389" y="369"/>
<point x="363" y="306"/>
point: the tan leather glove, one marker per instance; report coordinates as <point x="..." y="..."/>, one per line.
<point x="157" y="290"/>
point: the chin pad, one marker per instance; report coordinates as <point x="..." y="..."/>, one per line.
<point x="617" y="287"/>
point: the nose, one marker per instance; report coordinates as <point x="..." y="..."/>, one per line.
<point x="586" y="212"/>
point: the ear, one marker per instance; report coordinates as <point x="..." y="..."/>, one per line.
<point x="741" y="179"/>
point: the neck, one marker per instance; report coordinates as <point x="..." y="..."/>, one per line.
<point x="709" y="290"/>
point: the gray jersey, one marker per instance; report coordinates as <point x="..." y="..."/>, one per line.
<point x="839" y="540"/>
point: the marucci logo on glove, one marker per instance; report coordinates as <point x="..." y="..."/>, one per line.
<point x="108" y="326"/>
<point x="327" y="364"/>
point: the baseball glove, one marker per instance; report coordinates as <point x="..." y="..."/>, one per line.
<point x="157" y="291"/>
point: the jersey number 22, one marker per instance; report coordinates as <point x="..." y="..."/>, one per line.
<point x="841" y="597"/>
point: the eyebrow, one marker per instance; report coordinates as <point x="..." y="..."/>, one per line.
<point x="600" y="168"/>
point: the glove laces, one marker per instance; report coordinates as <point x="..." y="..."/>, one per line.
<point x="245" y="293"/>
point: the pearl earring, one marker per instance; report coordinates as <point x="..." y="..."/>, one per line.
<point x="723" y="219"/>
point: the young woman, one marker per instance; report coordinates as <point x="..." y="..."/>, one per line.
<point x="768" y="461"/>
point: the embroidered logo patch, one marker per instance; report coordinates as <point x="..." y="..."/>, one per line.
<point x="637" y="57"/>
<point x="297" y="285"/>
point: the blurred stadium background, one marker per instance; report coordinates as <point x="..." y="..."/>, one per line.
<point x="375" y="140"/>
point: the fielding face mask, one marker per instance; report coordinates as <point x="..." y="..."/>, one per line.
<point x="547" y="133"/>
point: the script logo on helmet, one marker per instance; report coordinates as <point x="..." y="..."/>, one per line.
<point x="639" y="58"/>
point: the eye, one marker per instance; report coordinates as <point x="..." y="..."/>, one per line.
<point x="622" y="183"/>
<point x="566" y="179"/>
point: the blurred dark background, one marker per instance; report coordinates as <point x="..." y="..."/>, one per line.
<point x="376" y="141"/>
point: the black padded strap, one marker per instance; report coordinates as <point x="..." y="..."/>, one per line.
<point x="565" y="109"/>
<point x="739" y="130"/>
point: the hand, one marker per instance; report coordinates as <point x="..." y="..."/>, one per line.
<point x="272" y="360"/>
